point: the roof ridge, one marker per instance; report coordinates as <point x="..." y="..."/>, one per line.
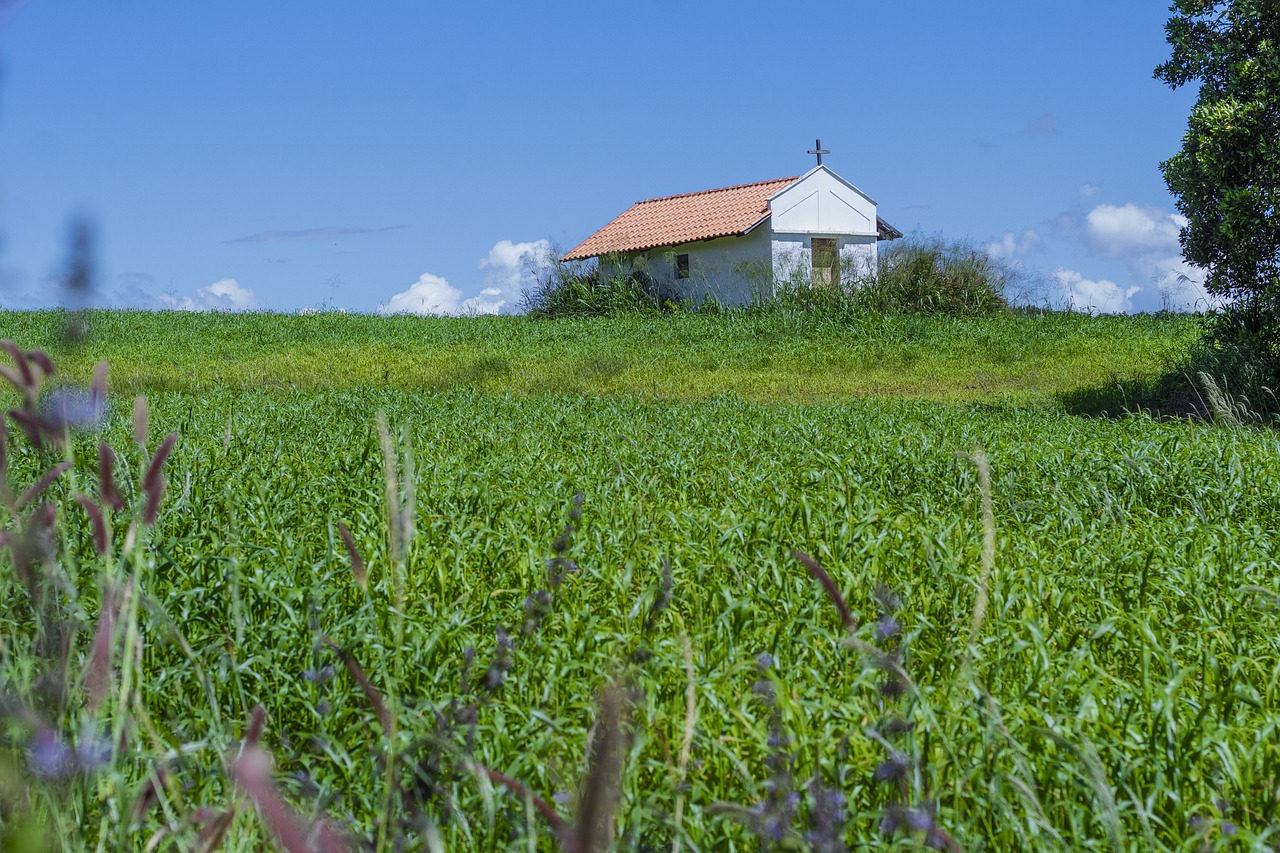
<point x="720" y="189"/>
<point x="684" y="218"/>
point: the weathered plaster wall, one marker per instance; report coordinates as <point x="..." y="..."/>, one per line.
<point x="793" y="256"/>
<point x="731" y="270"/>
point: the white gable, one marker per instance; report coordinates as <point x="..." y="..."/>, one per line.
<point x="822" y="202"/>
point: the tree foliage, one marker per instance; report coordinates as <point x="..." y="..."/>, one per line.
<point x="1227" y="175"/>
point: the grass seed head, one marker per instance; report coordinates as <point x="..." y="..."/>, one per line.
<point x="141" y="421"/>
<point x="107" y="490"/>
<point x="38" y="488"/>
<point x="26" y="379"/>
<point x="36" y="428"/>
<point x="357" y="563"/>
<point x="96" y="521"/>
<point x="602" y="787"/>
<point x="41" y="360"/>
<point x="833" y="591"/>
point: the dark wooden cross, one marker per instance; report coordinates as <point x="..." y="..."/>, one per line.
<point x="819" y="150"/>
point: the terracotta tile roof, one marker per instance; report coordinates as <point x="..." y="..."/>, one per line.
<point x="676" y="219"/>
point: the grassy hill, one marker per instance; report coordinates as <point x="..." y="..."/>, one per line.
<point x="1063" y="628"/>
<point x="765" y="356"/>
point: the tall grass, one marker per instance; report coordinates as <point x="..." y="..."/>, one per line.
<point x="1232" y="376"/>
<point x="935" y="276"/>
<point x="451" y="651"/>
<point x="580" y="289"/>
<point x="915" y="275"/>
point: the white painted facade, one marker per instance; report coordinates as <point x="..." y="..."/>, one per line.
<point x="792" y="256"/>
<point x="730" y="270"/>
<point x="739" y="270"/>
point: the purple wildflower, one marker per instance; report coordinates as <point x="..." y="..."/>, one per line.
<point x="49" y="757"/>
<point x="73" y="408"/>
<point x="895" y="726"/>
<point x="892" y="687"/>
<point x="936" y="839"/>
<point x="893" y="769"/>
<point x="904" y="819"/>
<point x="889" y="601"/>
<point x="887" y="627"/>
<point x="826" y="820"/>
<point x="319" y="676"/>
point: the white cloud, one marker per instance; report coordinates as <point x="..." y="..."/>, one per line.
<point x="1088" y="190"/>
<point x="1144" y="240"/>
<point x="491" y="300"/>
<point x="227" y="295"/>
<point x="514" y="268"/>
<point x="1128" y="230"/>
<point x="510" y="269"/>
<point x="433" y="296"/>
<point x="1181" y="286"/>
<point x="429" y="295"/>
<point x="223" y="295"/>
<point x="1010" y="245"/>
<point x="1095" y="297"/>
<point x="171" y="302"/>
<point x="133" y="290"/>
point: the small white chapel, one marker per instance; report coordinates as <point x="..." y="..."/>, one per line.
<point x="735" y="244"/>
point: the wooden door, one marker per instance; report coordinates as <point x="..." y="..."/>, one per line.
<point x="826" y="262"/>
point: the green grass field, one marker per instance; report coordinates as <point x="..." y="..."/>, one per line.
<point x="1108" y="677"/>
<point x="766" y="357"/>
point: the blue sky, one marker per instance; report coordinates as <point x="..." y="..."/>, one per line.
<point x="382" y="155"/>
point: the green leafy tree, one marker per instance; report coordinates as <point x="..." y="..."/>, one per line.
<point x="1227" y="175"/>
